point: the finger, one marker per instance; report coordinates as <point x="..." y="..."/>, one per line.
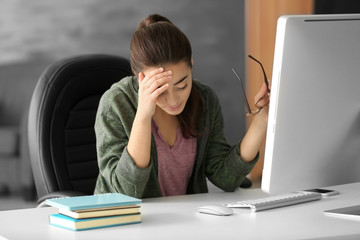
<point x="158" y="81"/>
<point x="151" y="81"/>
<point x="269" y="86"/>
<point x="152" y="73"/>
<point x="264" y="88"/>
<point x="141" y="76"/>
<point x="261" y="93"/>
<point x="263" y="102"/>
<point x="160" y="90"/>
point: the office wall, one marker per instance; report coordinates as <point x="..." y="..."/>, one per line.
<point x="35" y="33"/>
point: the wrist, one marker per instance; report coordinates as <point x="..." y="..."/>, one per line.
<point x="142" y="118"/>
<point x="260" y="121"/>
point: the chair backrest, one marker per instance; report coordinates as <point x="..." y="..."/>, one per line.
<point x="62" y="112"/>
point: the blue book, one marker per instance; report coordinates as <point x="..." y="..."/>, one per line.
<point x="93" y="201"/>
<point x="66" y="222"/>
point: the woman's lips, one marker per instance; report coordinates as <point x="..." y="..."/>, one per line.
<point x="176" y="108"/>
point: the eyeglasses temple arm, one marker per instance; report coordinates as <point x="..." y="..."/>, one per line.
<point x="265" y="77"/>
<point x="243" y="90"/>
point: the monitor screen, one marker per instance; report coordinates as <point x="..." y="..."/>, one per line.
<point x="313" y="135"/>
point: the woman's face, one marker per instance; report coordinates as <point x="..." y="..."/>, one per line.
<point x="174" y="99"/>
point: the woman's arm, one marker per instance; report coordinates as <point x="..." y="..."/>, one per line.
<point x="224" y="166"/>
<point x="117" y="169"/>
<point x="150" y="87"/>
<point x="250" y="145"/>
<point x="114" y="120"/>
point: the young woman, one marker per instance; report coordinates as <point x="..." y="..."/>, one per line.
<point x="161" y="133"/>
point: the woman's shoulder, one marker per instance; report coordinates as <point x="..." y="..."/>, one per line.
<point x="124" y="86"/>
<point x="121" y="93"/>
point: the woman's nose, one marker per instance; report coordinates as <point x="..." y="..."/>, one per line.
<point x="171" y="98"/>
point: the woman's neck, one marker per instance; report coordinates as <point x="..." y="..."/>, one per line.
<point x="167" y="125"/>
<point x="161" y="117"/>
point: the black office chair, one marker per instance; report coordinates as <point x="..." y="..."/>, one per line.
<point x="61" y="123"/>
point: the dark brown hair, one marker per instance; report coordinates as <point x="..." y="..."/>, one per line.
<point x="157" y="42"/>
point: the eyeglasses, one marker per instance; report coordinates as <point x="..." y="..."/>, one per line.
<point x="250" y="112"/>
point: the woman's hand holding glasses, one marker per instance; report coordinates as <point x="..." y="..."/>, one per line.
<point x="261" y="98"/>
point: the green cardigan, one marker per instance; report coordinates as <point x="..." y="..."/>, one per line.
<point x="215" y="158"/>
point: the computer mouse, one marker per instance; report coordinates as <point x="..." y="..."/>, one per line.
<point x="215" y="209"/>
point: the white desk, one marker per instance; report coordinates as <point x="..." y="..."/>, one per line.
<point x="175" y="218"/>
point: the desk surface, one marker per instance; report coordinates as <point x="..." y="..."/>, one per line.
<point x="175" y="218"/>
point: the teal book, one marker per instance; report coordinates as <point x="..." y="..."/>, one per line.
<point x="93" y="201"/>
<point x="66" y="222"/>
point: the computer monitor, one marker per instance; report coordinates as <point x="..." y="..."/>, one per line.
<point x="313" y="135"/>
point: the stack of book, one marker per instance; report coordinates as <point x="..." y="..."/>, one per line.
<point x="95" y="211"/>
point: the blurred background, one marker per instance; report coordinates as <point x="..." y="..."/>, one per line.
<point x="36" y="33"/>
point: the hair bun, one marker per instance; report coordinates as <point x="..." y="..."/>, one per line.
<point x="151" y="19"/>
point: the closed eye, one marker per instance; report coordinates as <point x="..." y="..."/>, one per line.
<point x="181" y="80"/>
<point x="182" y="88"/>
<point x="180" y="83"/>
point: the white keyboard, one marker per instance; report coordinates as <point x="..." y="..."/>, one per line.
<point x="276" y="201"/>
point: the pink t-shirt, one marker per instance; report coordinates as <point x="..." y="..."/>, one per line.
<point x="175" y="164"/>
